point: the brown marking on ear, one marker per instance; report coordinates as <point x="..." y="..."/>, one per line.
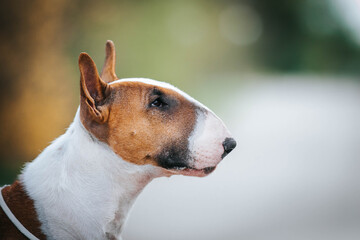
<point x="108" y="70"/>
<point x="138" y="133"/>
<point x="94" y="110"/>
<point x="22" y="206"/>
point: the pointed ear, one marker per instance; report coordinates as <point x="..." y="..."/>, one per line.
<point x="93" y="89"/>
<point x="108" y="71"/>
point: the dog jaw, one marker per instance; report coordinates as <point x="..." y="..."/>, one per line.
<point x="205" y="144"/>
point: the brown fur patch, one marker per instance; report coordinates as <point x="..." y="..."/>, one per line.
<point x="121" y="115"/>
<point x="22" y="207"/>
<point x="137" y="132"/>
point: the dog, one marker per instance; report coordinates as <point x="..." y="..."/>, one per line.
<point x="125" y="133"/>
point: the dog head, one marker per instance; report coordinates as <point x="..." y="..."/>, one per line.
<point x="149" y="122"/>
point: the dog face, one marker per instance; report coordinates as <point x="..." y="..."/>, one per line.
<point x="149" y="122"/>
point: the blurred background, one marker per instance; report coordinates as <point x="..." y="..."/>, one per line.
<point x="283" y="75"/>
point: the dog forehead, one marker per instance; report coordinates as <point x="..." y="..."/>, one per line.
<point x="156" y="83"/>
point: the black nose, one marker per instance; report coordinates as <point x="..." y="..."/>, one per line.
<point x="229" y="144"/>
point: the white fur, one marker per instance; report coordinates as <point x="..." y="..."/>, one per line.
<point x="83" y="190"/>
<point x="205" y="143"/>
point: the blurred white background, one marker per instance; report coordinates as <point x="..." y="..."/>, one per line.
<point x="294" y="174"/>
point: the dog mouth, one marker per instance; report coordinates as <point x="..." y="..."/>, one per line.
<point x="189" y="171"/>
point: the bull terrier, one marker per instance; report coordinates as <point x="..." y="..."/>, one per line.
<point x="125" y="133"/>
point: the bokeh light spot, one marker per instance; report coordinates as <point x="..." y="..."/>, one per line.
<point x="240" y="24"/>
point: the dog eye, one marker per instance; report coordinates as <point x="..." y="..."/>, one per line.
<point x="158" y="103"/>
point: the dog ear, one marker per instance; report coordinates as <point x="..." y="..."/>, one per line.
<point x="108" y="70"/>
<point x="93" y="90"/>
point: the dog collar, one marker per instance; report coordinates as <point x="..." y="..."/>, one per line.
<point x="13" y="219"/>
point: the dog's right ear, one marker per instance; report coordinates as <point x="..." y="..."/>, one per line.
<point x="108" y="70"/>
<point x="93" y="90"/>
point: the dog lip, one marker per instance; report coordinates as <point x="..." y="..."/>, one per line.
<point x="190" y="171"/>
<point x="208" y="170"/>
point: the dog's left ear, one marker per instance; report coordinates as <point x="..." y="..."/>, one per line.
<point x="93" y="90"/>
<point x="108" y="70"/>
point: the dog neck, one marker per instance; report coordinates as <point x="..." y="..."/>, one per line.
<point x="81" y="188"/>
